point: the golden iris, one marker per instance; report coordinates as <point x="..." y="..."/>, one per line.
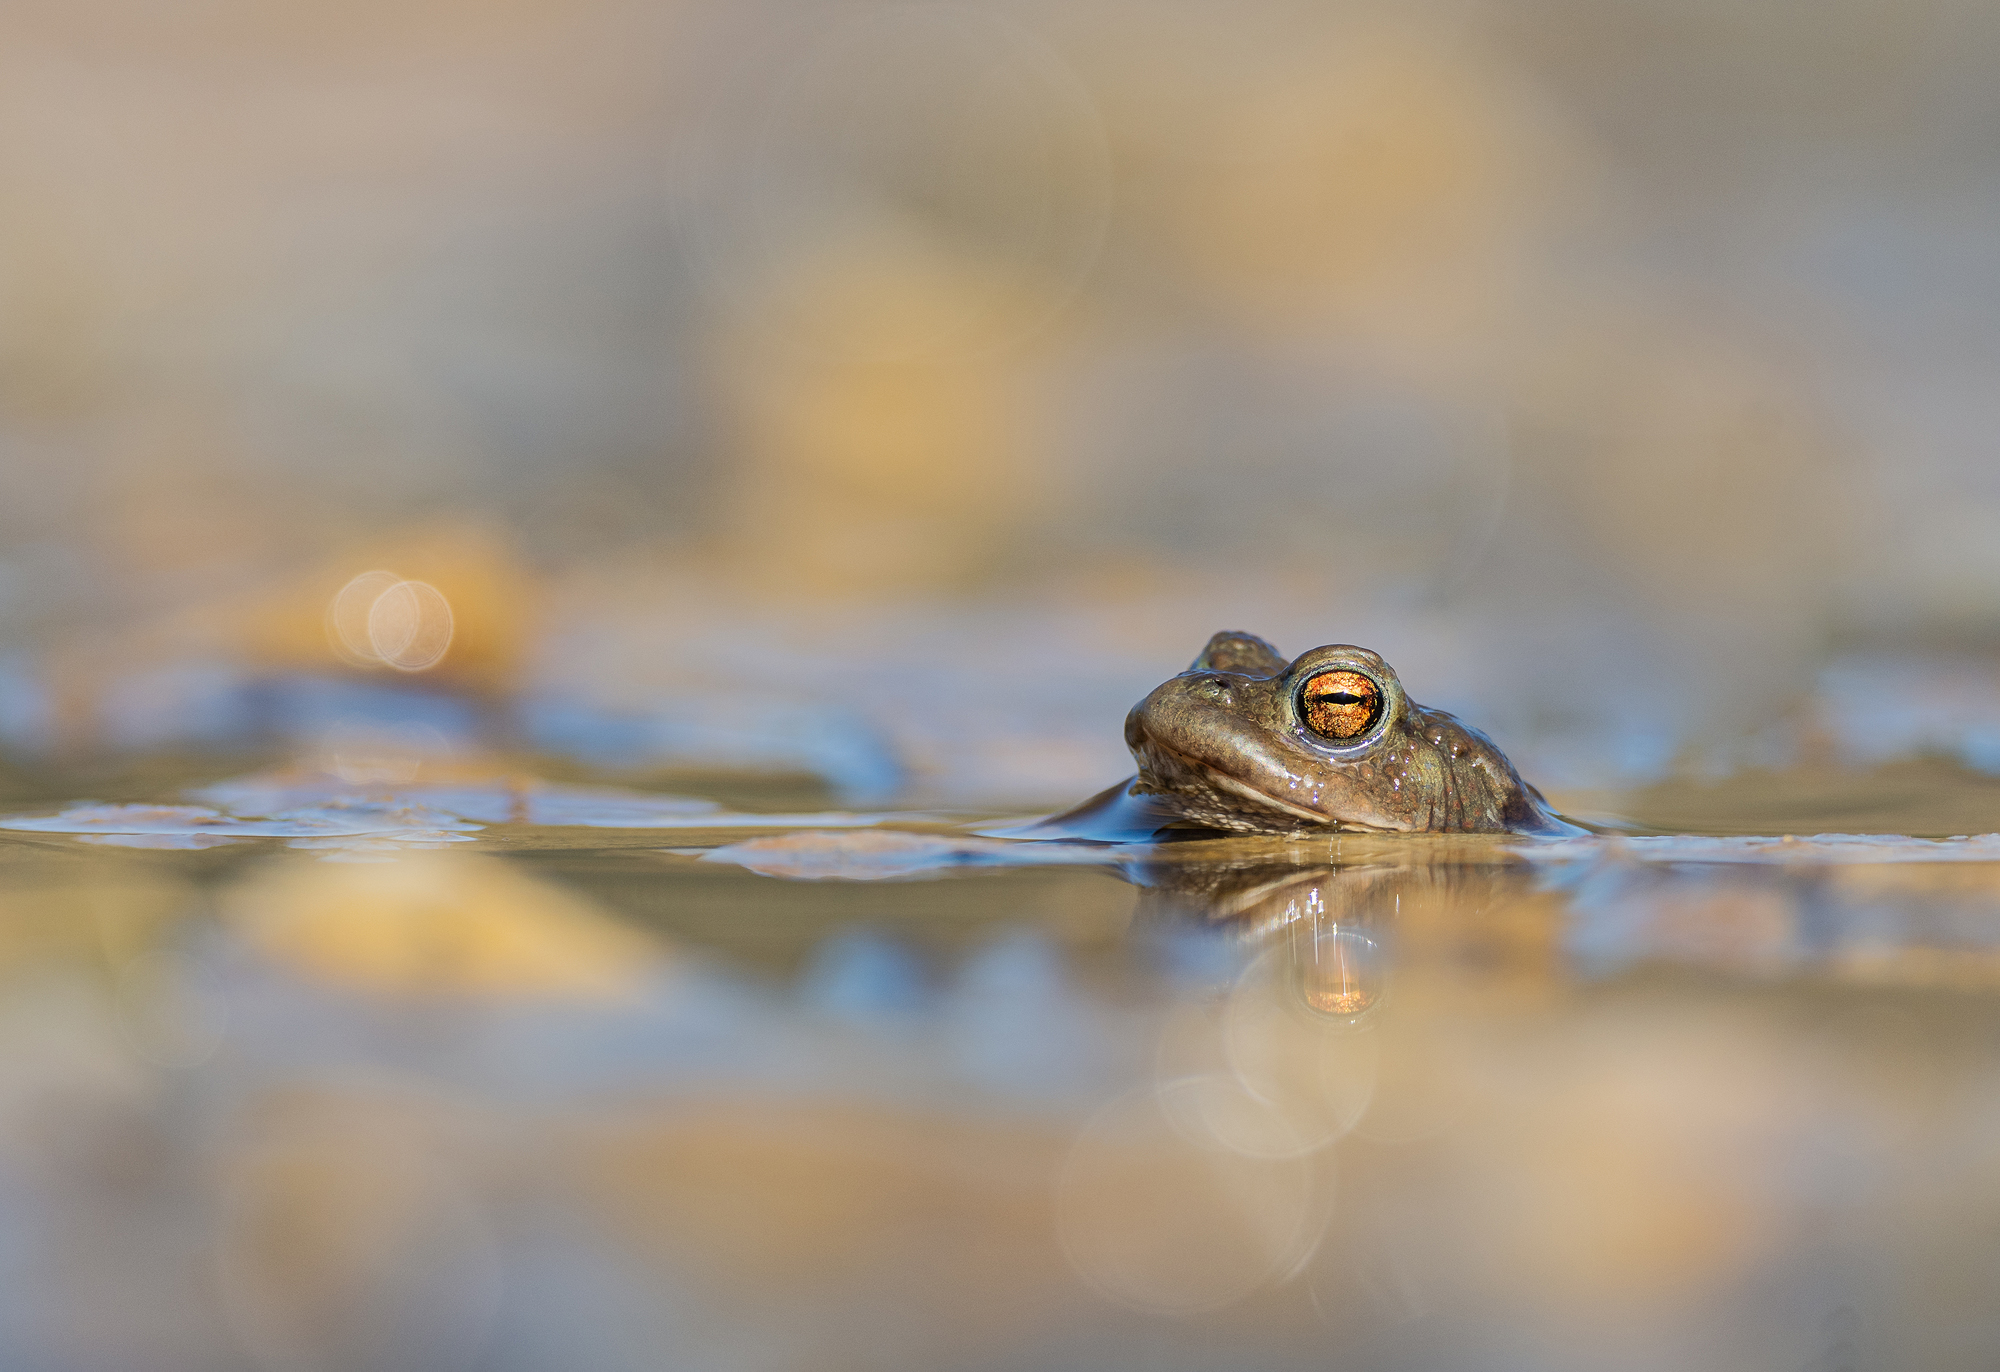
<point x="1341" y="705"/>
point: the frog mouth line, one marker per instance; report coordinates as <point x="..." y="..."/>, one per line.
<point x="1220" y="780"/>
<point x="1251" y="793"/>
<point x="1223" y="781"/>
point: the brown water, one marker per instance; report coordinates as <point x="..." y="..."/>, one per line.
<point x="728" y="1093"/>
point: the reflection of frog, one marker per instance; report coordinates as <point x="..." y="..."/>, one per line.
<point x="1329" y="926"/>
<point x="1248" y="742"/>
<point x="1323" y="923"/>
<point x="1256" y="888"/>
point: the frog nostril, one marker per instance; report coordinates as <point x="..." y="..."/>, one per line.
<point x="1213" y="688"/>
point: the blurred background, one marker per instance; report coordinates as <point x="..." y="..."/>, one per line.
<point x="893" y="393"/>
<point x="862" y="405"/>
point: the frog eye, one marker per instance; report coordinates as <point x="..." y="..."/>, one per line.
<point x="1340" y="705"/>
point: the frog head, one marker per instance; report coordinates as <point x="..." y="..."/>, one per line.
<point x="1247" y="741"/>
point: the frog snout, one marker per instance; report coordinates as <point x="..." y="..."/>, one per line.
<point x="1200" y="691"/>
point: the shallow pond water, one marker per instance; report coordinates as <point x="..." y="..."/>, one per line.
<point x="471" y="1070"/>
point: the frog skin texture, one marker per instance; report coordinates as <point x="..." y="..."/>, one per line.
<point x="1247" y="742"/>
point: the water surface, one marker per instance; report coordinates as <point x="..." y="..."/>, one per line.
<point x="476" y="1070"/>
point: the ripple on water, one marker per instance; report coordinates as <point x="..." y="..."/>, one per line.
<point x="874" y="855"/>
<point x="1784" y="848"/>
<point x="347" y="819"/>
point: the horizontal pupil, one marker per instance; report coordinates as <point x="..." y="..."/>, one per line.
<point x="1338" y="698"/>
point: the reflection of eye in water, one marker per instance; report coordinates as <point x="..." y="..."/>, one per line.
<point x="1340" y="973"/>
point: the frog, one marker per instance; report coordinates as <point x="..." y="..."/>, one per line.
<point x="1246" y="741"/>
